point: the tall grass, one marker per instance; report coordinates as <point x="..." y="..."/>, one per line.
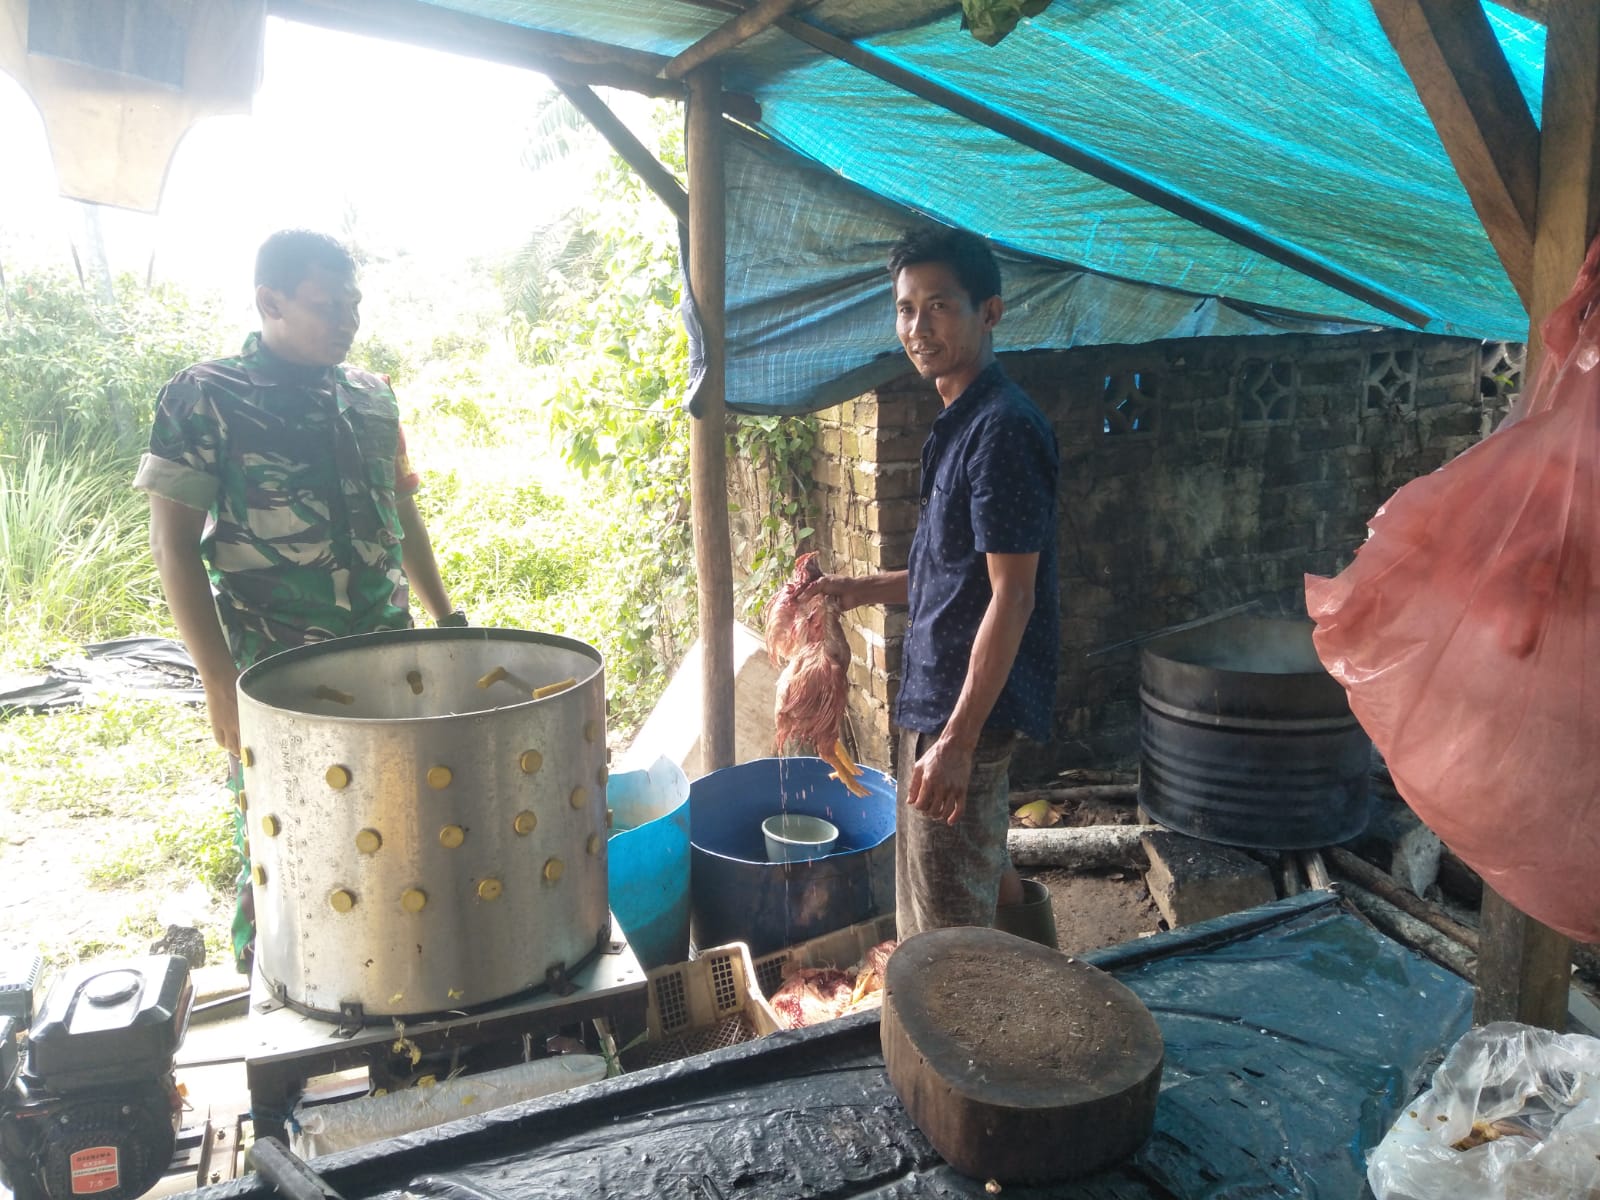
<point x="74" y="562"/>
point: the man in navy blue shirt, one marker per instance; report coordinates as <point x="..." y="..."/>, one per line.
<point x="979" y="664"/>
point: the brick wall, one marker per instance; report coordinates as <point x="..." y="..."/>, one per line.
<point x="1196" y="476"/>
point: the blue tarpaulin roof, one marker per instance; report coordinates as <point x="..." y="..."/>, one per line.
<point x="1292" y="120"/>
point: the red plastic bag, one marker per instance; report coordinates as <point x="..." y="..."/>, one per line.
<point x="1467" y="633"/>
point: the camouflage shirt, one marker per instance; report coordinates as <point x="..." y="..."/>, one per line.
<point x="297" y="469"/>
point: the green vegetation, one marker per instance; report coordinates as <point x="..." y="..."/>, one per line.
<point x="74" y="562"/>
<point x="81" y="372"/>
<point x="78" y="379"/>
<point x="118" y="758"/>
<point x="601" y="330"/>
<point x="543" y="403"/>
<point x="202" y="848"/>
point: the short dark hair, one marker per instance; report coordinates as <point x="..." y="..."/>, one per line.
<point x="286" y="258"/>
<point x="963" y="251"/>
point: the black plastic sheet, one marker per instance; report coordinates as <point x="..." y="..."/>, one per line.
<point x="146" y="666"/>
<point x="1294" y="1033"/>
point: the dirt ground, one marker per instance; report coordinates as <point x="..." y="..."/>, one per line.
<point x="1100" y="909"/>
<point x="47" y="902"/>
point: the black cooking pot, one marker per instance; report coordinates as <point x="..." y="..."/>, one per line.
<point x="1246" y="739"/>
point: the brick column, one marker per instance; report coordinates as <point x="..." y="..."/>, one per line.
<point x="867" y="479"/>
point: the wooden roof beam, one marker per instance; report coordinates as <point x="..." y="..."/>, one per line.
<point x="426" y="24"/>
<point x="564" y="59"/>
<point x="1534" y="10"/>
<point x="629" y="148"/>
<point x="1099" y="168"/>
<point x="742" y="28"/>
<point x="1462" y="77"/>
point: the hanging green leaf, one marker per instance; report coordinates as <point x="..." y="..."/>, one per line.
<point x="991" y="20"/>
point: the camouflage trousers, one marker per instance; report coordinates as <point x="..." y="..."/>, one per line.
<point x="948" y="875"/>
<point x="244" y="910"/>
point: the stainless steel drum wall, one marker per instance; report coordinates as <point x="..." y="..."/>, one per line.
<point x="427" y="817"/>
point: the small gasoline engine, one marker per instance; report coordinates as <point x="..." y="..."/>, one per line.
<point x="89" y="1105"/>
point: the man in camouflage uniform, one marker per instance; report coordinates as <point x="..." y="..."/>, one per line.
<point x="281" y="500"/>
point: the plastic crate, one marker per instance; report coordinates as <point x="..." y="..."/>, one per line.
<point x="705" y="1004"/>
<point x="842" y="948"/>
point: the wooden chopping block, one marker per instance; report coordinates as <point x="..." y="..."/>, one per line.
<point x="1018" y="1063"/>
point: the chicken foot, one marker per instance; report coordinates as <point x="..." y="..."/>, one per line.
<point x="845" y="771"/>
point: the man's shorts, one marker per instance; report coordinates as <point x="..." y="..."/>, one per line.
<point x="948" y="875"/>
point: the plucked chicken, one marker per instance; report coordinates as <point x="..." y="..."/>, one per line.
<point x="812" y="995"/>
<point x="808" y="637"/>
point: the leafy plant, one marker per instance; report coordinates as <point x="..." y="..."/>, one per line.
<point x="596" y="309"/>
<point x="75" y="563"/>
<point x="777" y="454"/>
<point x="596" y="303"/>
<point x="81" y="371"/>
<point x="990" y="21"/>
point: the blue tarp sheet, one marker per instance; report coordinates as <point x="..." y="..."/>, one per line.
<point x="810" y="317"/>
<point x="1293" y="119"/>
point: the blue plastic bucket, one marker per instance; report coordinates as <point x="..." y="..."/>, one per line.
<point x="648" y="872"/>
<point x="736" y="895"/>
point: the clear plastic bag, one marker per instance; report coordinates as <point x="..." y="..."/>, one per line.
<point x="1467" y="634"/>
<point x="1513" y="1114"/>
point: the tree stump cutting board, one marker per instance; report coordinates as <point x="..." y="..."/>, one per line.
<point x="1017" y="1062"/>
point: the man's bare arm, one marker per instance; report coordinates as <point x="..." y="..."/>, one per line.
<point x="853" y="591"/>
<point x="939" y="780"/>
<point x="175" y="544"/>
<point x="417" y="557"/>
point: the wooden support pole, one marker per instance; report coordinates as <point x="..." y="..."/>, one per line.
<point x="1569" y="182"/>
<point x="1461" y="75"/>
<point x="725" y="37"/>
<point x="1524" y="967"/>
<point x="629" y="148"/>
<point x="708" y="437"/>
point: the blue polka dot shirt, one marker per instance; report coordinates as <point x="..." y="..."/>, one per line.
<point x="989" y="470"/>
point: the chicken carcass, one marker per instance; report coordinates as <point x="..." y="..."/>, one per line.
<point x="811" y="995"/>
<point x="813" y="688"/>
